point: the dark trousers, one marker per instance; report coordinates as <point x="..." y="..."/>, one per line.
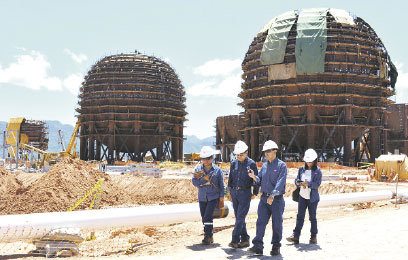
<point x="312" y="207"/>
<point x="265" y="211"/>
<point x="207" y="210"/>
<point x="241" y="200"/>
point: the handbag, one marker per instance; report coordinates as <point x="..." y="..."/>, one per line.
<point x="295" y="194"/>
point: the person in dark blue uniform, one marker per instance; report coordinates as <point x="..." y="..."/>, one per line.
<point x="308" y="179"/>
<point x="210" y="182"/>
<point x="272" y="179"/>
<point x="240" y="192"/>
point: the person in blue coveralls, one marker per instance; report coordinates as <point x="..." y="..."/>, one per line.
<point x="272" y="179"/>
<point x="210" y="182"/>
<point x="308" y="179"/>
<point x="240" y="192"/>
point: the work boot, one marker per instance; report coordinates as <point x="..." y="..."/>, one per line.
<point x="293" y="239"/>
<point x="313" y="240"/>
<point x="275" y="251"/>
<point x="243" y="244"/>
<point x="255" y="250"/>
<point x="233" y="245"/>
<point x="207" y="240"/>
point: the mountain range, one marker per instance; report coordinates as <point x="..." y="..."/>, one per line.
<point x="191" y="142"/>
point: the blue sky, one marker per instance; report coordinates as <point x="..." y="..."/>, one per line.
<point x="48" y="46"/>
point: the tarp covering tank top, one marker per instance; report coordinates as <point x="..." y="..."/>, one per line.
<point x="274" y="47"/>
<point x="341" y="16"/>
<point x="311" y="40"/>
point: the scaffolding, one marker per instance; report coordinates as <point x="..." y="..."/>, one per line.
<point x="131" y="104"/>
<point x="228" y="133"/>
<point x="397" y="122"/>
<point x="330" y="111"/>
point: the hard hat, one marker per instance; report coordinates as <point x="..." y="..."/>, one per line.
<point x="310" y="155"/>
<point x="240" y="147"/>
<point x="268" y="145"/>
<point x="207" y="151"/>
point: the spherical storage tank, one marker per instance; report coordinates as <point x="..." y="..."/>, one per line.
<point x="318" y="78"/>
<point x="131" y="104"/>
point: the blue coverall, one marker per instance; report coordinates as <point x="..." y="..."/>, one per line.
<point x="272" y="178"/>
<point x="239" y="186"/>
<point x="209" y="194"/>
<point x="311" y="203"/>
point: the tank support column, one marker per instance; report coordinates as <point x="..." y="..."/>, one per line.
<point x="98" y="151"/>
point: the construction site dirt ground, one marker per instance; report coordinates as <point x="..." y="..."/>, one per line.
<point x="377" y="232"/>
<point x="361" y="231"/>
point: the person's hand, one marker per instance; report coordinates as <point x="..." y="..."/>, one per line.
<point x="206" y="177"/>
<point x="270" y="199"/>
<point x="221" y="203"/>
<point x="198" y="173"/>
<point x="251" y="174"/>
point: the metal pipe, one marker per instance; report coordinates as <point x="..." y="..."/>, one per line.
<point x="34" y="226"/>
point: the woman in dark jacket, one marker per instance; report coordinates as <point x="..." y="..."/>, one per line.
<point x="308" y="179"/>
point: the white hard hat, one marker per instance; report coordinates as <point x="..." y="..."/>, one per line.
<point x="269" y="145"/>
<point x="310" y="155"/>
<point x="207" y="151"/>
<point x="240" y="147"/>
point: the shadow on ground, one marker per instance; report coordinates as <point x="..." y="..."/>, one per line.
<point x="201" y="247"/>
<point x="235" y="253"/>
<point x="242" y="253"/>
<point x="307" y="247"/>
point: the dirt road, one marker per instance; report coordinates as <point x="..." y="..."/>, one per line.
<point x="378" y="233"/>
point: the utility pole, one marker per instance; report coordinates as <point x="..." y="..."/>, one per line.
<point x="17" y="145"/>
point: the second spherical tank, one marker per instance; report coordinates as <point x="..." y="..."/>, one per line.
<point x="131" y="103"/>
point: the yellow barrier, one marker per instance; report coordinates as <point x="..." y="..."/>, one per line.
<point x="97" y="188"/>
<point x="364" y="165"/>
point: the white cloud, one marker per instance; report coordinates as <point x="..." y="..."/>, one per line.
<point x="31" y="70"/>
<point x="73" y="83"/>
<point x="217" y="78"/>
<point x="218" y="67"/>
<point x="402" y="84"/>
<point x="226" y="87"/>
<point x="79" y="58"/>
<point x="230" y="86"/>
<point x="202" y="88"/>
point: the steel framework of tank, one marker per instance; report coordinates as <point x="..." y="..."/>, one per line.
<point x="397" y="121"/>
<point x="32" y="132"/>
<point x="36" y="132"/>
<point x="131" y="104"/>
<point x="325" y="111"/>
<point x="228" y="133"/>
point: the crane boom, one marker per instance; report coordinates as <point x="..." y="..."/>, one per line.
<point x="72" y="140"/>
